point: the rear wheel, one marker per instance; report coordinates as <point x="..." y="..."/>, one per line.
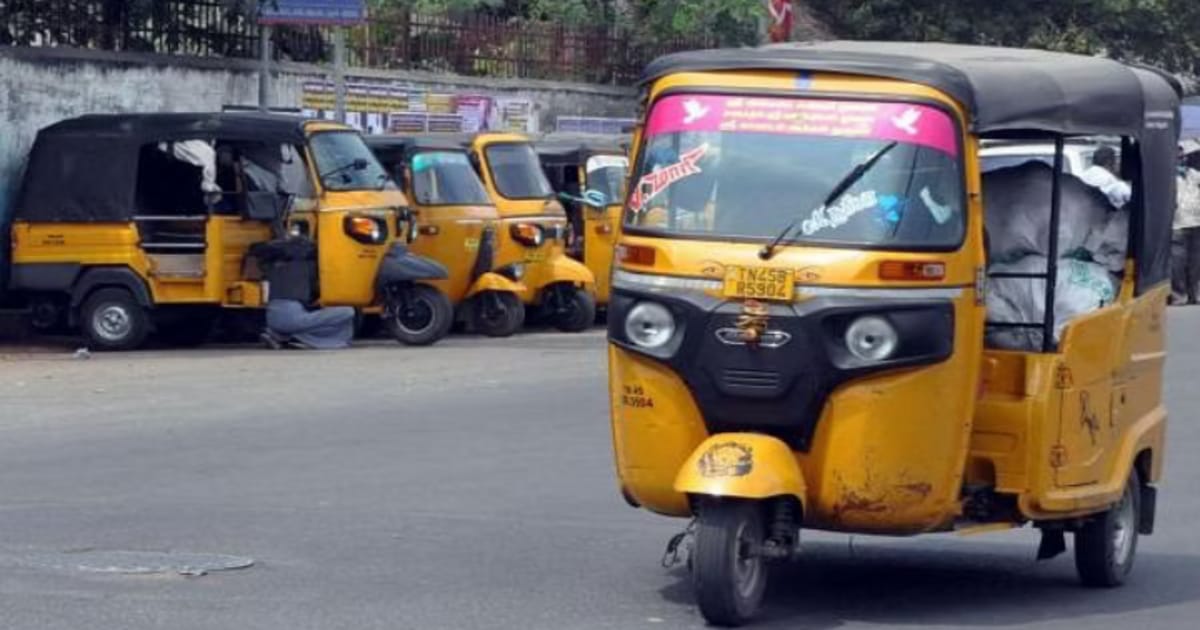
<point x="1106" y="545"/>
<point x="419" y="315"/>
<point x="113" y="320"/>
<point x="497" y="313"/>
<point x="578" y="310"/>
<point x="728" y="572"/>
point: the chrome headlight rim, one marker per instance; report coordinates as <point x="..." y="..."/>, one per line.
<point x="649" y="325"/>
<point x="871" y="339"/>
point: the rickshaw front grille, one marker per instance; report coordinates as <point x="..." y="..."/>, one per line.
<point x="752" y="379"/>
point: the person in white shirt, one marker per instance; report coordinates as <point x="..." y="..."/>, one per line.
<point x="1102" y="176"/>
<point x="1185" y="267"/>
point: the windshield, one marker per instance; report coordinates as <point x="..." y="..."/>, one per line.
<point x="517" y="172"/>
<point x="739" y="167"/>
<point x="339" y="156"/>
<point x="446" y="178"/>
<point x="606" y="173"/>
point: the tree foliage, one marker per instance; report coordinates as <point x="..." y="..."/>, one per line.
<point x="1164" y="32"/>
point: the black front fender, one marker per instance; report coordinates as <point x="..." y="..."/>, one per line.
<point x="401" y="265"/>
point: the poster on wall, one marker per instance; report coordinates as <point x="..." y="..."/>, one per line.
<point x="377" y="107"/>
<point x="594" y="125"/>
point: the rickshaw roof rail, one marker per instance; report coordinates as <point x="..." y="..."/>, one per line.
<point x="1005" y="90"/>
<point x="411" y="143"/>
<point x="577" y="146"/>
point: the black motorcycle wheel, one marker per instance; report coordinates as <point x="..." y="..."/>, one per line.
<point x="420" y="315"/>
<point x="497" y="313"/>
<point x="728" y="573"/>
<point x="578" y="311"/>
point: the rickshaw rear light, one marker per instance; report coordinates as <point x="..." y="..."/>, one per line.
<point x="636" y="255"/>
<point x="908" y="270"/>
<point x="528" y="234"/>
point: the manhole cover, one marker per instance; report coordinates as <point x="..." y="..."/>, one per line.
<point x="139" y="562"/>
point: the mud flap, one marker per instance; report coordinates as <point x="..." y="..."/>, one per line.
<point x="742" y="465"/>
<point x="1054" y="543"/>
<point x="1149" y="504"/>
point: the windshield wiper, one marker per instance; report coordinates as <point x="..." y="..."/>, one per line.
<point x="359" y="164"/>
<point x="836" y="193"/>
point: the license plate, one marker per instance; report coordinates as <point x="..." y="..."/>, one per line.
<point x="536" y="255"/>
<point x="759" y="283"/>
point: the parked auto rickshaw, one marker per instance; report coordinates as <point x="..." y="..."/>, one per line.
<point x="589" y="172"/>
<point x="126" y="224"/>
<point x="797" y="326"/>
<point x="457" y="227"/>
<point x="534" y="230"/>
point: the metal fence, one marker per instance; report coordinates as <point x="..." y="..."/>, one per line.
<point x="468" y="44"/>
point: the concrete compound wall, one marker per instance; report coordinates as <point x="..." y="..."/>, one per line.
<point x="39" y="86"/>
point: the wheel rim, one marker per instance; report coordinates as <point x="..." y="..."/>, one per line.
<point x="417" y="317"/>
<point x="112" y="322"/>
<point x="1124" y="529"/>
<point x="747" y="565"/>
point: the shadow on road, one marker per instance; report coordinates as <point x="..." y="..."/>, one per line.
<point x="999" y="586"/>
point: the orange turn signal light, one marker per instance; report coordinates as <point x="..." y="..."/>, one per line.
<point x="912" y="270"/>
<point x="636" y="255"/>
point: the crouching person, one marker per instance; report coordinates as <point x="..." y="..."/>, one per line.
<point x="290" y="268"/>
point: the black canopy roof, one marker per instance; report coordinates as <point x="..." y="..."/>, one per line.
<point x="412" y="143"/>
<point x="1004" y="89"/>
<point x="85" y="169"/>
<point x="578" y="147"/>
<point x="198" y="126"/>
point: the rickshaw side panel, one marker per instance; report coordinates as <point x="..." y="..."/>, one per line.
<point x="455" y="243"/>
<point x="1062" y="431"/>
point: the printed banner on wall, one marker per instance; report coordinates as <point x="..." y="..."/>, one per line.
<point x="375" y="107"/>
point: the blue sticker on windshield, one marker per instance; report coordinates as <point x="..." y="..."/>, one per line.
<point x="893" y="208"/>
<point x="804" y="81"/>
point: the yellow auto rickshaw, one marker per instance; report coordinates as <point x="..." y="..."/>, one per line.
<point x="533" y="231"/>
<point x="139" y="223"/>
<point x="589" y="172"/>
<point x="457" y="227"/>
<point x="807" y="331"/>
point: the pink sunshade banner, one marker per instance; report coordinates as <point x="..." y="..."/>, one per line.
<point x="903" y="122"/>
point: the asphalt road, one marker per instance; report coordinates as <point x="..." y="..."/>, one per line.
<point x="463" y="486"/>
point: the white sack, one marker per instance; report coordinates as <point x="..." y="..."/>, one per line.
<point x="1082" y="287"/>
<point x="1017" y="212"/>
<point x="197" y="153"/>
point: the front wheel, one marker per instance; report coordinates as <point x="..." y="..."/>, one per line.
<point x="419" y="315"/>
<point x="1105" y="546"/>
<point x="497" y="313"/>
<point x="728" y="570"/>
<point x="578" y="311"/>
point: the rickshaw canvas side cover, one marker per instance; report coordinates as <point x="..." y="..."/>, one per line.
<point x="85" y="169"/>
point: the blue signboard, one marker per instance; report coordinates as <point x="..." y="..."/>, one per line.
<point x="342" y="12"/>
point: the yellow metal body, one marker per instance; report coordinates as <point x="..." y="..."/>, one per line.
<point x="892" y="451"/>
<point x="218" y="276"/>
<point x="451" y="235"/>
<point x="546" y="264"/>
<point x="743" y="465"/>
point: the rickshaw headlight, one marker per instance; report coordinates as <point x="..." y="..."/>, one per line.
<point x="649" y="325"/>
<point x="872" y="338"/>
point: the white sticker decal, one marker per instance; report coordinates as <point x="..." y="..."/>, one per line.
<point x="652" y="184"/>
<point x="941" y="213"/>
<point x="693" y="111"/>
<point x="840" y="213"/>
<point x="907" y="121"/>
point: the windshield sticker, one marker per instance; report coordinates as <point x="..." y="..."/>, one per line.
<point x="941" y="213"/>
<point x="912" y="124"/>
<point x="652" y="184"/>
<point x="840" y="213"/>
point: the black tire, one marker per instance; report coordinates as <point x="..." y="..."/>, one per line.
<point x="113" y="320"/>
<point x="729" y="581"/>
<point x="1106" y="545"/>
<point x="427" y="317"/>
<point x="579" y="311"/>
<point x="497" y="313"/>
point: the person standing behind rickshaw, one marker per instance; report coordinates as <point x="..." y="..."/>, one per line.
<point x="1186" y="266"/>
